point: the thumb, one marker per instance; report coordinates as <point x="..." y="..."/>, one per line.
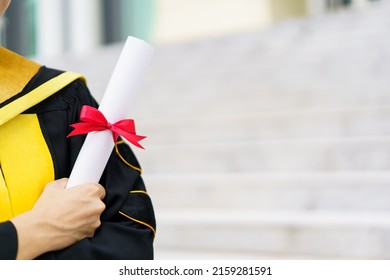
<point x="58" y="184"/>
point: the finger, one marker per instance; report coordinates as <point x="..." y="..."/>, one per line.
<point x="61" y="183"/>
<point x="57" y="184"/>
<point x="102" y="192"/>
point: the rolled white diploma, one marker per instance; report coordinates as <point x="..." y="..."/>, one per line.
<point x="96" y="150"/>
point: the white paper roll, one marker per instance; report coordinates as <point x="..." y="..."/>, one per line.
<point x="96" y="150"/>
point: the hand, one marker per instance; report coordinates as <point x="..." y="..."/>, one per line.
<point x="59" y="218"/>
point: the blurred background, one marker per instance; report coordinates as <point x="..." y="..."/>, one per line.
<point x="268" y="121"/>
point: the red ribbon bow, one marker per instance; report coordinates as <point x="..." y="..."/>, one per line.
<point x="94" y="120"/>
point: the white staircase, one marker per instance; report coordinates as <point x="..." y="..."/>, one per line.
<point x="271" y="144"/>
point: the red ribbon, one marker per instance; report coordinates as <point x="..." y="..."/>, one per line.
<point x="94" y="120"/>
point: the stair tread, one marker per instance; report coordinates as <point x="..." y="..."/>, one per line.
<point x="277" y="218"/>
<point x="162" y="253"/>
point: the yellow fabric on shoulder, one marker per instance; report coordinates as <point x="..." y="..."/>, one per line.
<point x="26" y="165"/>
<point x="15" y="72"/>
<point x="37" y="95"/>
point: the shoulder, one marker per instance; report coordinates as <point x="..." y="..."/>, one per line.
<point x="64" y="89"/>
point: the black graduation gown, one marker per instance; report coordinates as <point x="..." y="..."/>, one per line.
<point x="128" y="223"/>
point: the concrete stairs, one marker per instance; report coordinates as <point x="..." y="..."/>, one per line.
<point x="273" y="144"/>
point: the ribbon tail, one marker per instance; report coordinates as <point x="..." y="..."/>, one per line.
<point x="114" y="136"/>
<point x="138" y="138"/>
<point x="84" y="128"/>
<point x="133" y="139"/>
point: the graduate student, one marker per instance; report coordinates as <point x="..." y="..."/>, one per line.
<point x="39" y="217"/>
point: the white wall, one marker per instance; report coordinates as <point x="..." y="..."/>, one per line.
<point x="179" y="21"/>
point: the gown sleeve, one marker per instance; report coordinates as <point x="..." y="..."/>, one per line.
<point x="8" y="241"/>
<point x="128" y="223"/>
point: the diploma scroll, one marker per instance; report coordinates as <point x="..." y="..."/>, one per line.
<point x="96" y="150"/>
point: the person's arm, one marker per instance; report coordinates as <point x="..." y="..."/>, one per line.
<point x="59" y="218"/>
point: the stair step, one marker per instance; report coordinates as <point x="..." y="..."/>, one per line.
<point x="349" y="122"/>
<point x="323" y="234"/>
<point x="343" y="191"/>
<point x="161" y="253"/>
<point x="289" y="91"/>
<point x="339" y="154"/>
